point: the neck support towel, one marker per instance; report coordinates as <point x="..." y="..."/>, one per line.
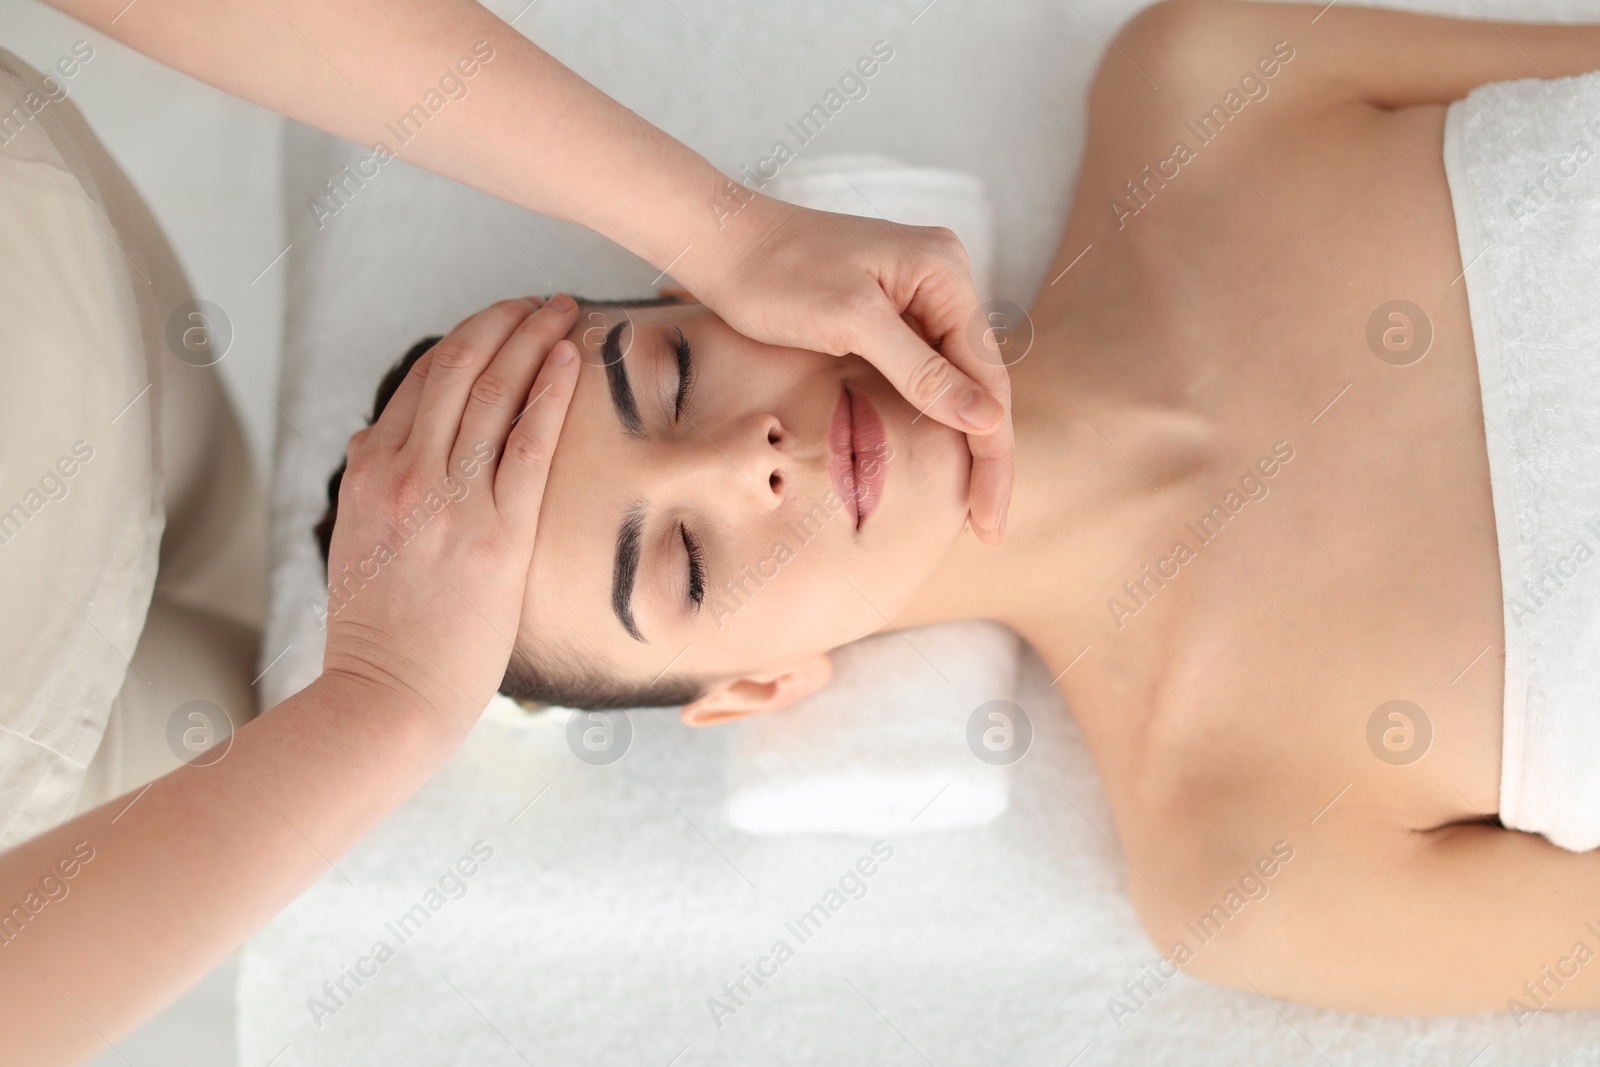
<point x="1523" y="163"/>
<point x="866" y="754"/>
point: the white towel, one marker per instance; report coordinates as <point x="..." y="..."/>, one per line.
<point x="865" y="757"/>
<point x="1523" y="162"/>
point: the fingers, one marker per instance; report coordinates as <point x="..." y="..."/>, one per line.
<point x="989" y="491"/>
<point x="771" y="293"/>
<point x="941" y="390"/>
<point x="395" y="421"/>
<point x="525" y="464"/>
<point x="993" y="454"/>
<point x="501" y="392"/>
<point x="454" y="365"/>
<point x="932" y="384"/>
<point x="945" y="306"/>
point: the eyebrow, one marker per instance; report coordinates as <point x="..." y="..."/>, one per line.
<point x="626" y="568"/>
<point x="617" y="379"/>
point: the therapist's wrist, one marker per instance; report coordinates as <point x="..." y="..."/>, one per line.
<point x="427" y="728"/>
<point x="730" y="227"/>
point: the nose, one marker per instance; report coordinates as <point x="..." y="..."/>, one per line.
<point x="745" y="461"/>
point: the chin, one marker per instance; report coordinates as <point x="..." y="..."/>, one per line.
<point x="934" y="464"/>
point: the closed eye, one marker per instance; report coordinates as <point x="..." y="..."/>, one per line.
<point x="697" y="566"/>
<point x="685" y="375"/>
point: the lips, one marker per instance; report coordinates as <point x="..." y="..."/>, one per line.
<point x="860" y="453"/>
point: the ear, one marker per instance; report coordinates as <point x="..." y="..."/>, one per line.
<point x="740" y="698"/>
<point x="677" y="292"/>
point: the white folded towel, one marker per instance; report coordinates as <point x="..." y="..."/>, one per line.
<point x="884" y="747"/>
<point x="1523" y="162"/>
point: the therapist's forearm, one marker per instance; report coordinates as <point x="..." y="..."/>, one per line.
<point x="528" y="129"/>
<point x="166" y="883"/>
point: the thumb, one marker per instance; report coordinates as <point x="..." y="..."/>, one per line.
<point x="930" y="382"/>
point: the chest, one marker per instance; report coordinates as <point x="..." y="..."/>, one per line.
<point x="1337" y="621"/>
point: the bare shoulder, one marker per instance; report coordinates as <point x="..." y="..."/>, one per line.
<point x="1185" y="92"/>
<point x="1178" y="33"/>
<point x="1173" y="50"/>
<point x="1377" y="55"/>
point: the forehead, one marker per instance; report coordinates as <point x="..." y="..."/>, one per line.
<point x="596" y="480"/>
<point x="594" y="319"/>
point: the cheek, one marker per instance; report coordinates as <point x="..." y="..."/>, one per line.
<point x="948" y="462"/>
<point x="781" y="605"/>
<point x="924" y="513"/>
<point x="797" y="590"/>
<point x="929" y="477"/>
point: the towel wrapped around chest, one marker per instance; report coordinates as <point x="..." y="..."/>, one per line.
<point x="1523" y="163"/>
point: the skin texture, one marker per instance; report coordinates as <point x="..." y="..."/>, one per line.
<point x="1215" y="343"/>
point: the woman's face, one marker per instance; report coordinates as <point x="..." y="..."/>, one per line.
<point x="724" y="508"/>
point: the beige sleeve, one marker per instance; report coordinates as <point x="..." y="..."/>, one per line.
<point x="168" y="506"/>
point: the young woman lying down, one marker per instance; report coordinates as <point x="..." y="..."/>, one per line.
<point x="1253" y="510"/>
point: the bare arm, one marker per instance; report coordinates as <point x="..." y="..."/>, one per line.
<point x="1464" y="918"/>
<point x="109" y="917"/>
<point x="528" y="130"/>
<point x="140" y="897"/>
<point x="1343" y="52"/>
<point x="1397" y="58"/>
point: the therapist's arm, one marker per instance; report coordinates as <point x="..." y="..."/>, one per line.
<point x="528" y="130"/>
<point x="151" y="890"/>
<point x="107" y="918"/>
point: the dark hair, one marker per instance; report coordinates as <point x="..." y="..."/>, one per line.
<point x="559" y="676"/>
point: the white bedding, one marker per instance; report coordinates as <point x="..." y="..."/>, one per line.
<point x="617" y="904"/>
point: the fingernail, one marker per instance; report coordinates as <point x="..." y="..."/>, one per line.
<point x="979" y="410"/>
<point x="565" y="352"/>
<point x="561" y="302"/>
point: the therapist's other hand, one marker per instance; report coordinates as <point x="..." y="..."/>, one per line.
<point x="438" y="509"/>
<point x="901" y="297"/>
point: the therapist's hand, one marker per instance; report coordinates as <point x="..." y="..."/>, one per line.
<point x="439" y="506"/>
<point x="901" y="297"/>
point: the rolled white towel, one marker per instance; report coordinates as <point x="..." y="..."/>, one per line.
<point x="885" y="746"/>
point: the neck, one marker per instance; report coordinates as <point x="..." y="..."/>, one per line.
<point x="1091" y="450"/>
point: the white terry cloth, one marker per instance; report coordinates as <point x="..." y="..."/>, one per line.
<point x="1523" y="163"/>
<point x="863" y="757"/>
